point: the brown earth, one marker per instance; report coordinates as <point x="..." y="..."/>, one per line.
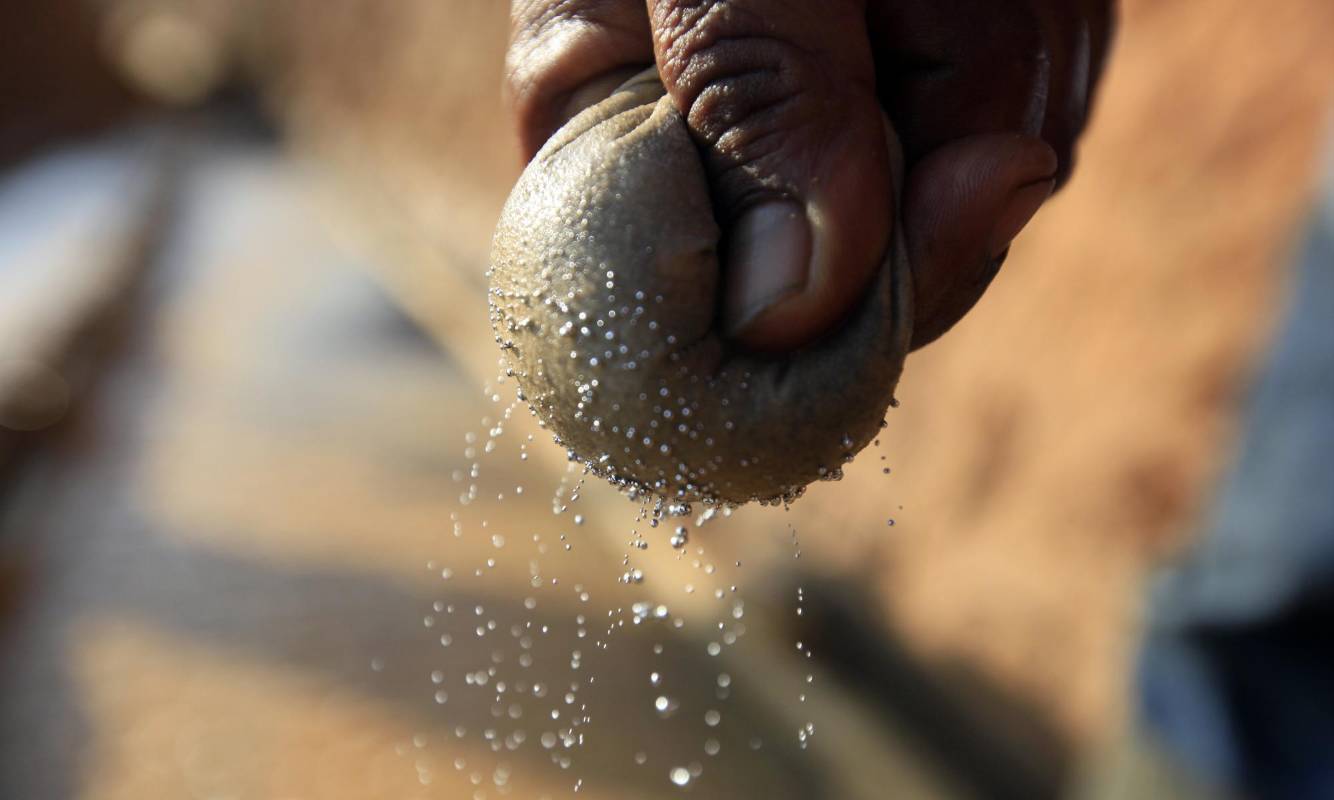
<point x="1050" y="450"/>
<point x="1065" y="436"/>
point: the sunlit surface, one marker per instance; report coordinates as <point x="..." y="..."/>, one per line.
<point x="272" y="527"/>
<point x="288" y="550"/>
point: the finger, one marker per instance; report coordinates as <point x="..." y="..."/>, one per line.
<point x="779" y="95"/>
<point x="1102" y="16"/>
<point x="566" y="55"/>
<point x="962" y="206"/>
<point x="1069" y="47"/>
<point x="954" y="68"/>
<point x="1077" y="32"/>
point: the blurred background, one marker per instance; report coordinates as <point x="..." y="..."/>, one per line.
<point x="271" y="527"/>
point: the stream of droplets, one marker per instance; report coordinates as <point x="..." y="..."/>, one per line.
<point x="518" y="670"/>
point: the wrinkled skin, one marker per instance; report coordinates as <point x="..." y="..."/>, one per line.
<point x="603" y="286"/>
<point x="787" y="102"/>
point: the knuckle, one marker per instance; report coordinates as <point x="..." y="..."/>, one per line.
<point x="733" y="109"/>
<point x="744" y="95"/>
<point x="530" y="74"/>
<point x="558" y="45"/>
<point x="763" y="85"/>
<point x="537" y="15"/>
<point x="748" y="101"/>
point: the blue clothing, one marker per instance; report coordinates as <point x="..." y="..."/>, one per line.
<point x="1236" y="675"/>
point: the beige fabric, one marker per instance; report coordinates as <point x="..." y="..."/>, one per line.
<point x="604" y="289"/>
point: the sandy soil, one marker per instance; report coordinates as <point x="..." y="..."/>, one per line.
<point x="1064" y="437"/>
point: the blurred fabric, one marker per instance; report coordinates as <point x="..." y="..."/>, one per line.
<point x="1235" y="677"/>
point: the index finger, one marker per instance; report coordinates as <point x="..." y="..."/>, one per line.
<point x="561" y="49"/>
<point x="949" y="69"/>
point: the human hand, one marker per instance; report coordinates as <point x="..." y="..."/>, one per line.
<point x="797" y="107"/>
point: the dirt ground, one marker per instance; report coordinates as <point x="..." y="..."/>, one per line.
<point x="244" y="566"/>
<point x="1061" y="440"/>
<point x="216" y="579"/>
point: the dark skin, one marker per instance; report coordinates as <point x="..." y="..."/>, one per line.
<point x="791" y="101"/>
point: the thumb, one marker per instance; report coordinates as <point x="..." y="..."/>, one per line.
<point x="962" y="206"/>
<point x="780" y="98"/>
